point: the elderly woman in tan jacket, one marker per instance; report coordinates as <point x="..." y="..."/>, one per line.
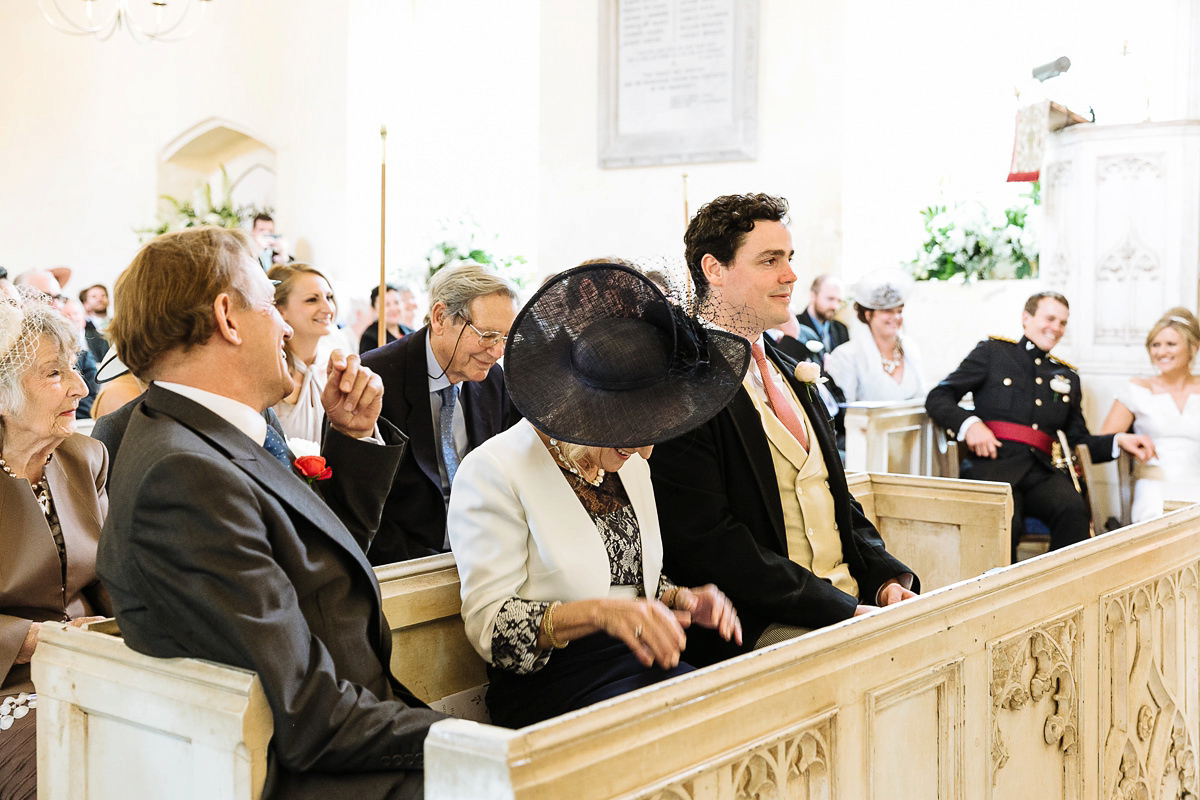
<point x="52" y="505"/>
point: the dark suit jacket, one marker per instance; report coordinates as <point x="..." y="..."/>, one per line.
<point x="110" y="429"/>
<point x="96" y="343"/>
<point x="837" y="331"/>
<point x="213" y="549"/>
<point x="722" y="520"/>
<point x="1013" y="383"/>
<point x="414" y="518"/>
<point x="87" y="367"/>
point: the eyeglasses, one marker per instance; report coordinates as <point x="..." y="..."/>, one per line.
<point x="487" y="339"/>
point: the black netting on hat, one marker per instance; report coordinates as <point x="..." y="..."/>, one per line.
<point x="599" y="356"/>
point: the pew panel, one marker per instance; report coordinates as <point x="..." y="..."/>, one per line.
<point x="1071" y="676"/>
<point x="945" y="529"/>
<point x="430" y="651"/>
<point x="890" y="436"/>
<point x="114" y="724"/>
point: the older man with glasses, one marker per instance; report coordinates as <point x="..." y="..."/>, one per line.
<point x="444" y="388"/>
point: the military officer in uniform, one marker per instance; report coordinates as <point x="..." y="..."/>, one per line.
<point x="1023" y="397"/>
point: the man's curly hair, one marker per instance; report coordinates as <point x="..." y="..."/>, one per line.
<point x="720" y="227"/>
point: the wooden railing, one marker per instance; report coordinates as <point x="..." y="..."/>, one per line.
<point x="117" y="724"/>
<point x="1073" y="675"/>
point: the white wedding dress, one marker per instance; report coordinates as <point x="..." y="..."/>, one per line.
<point x="1175" y="474"/>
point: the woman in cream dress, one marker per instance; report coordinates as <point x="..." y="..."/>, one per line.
<point x="880" y="365"/>
<point x="1165" y="407"/>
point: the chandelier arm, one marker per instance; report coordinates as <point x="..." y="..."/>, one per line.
<point x="122" y="17"/>
<point x="74" y="30"/>
<point x="167" y="31"/>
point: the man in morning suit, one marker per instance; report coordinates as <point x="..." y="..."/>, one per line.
<point x="824" y="301"/>
<point x="444" y="388"/>
<point x="1023" y="397"/>
<point x="755" y="500"/>
<point x="215" y="547"/>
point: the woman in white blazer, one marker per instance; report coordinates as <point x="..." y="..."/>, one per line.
<point x="554" y="547"/>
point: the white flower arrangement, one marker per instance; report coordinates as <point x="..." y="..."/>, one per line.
<point x="200" y="210"/>
<point x="462" y="243"/>
<point x="966" y="239"/>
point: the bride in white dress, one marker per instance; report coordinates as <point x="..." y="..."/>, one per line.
<point x="1165" y="407"/>
<point x="305" y="301"/>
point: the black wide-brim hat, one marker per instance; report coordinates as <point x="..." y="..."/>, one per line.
<point x="599" y="356"/>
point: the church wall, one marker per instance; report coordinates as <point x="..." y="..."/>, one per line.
<point x="85" y="122"/>
<point x="586" y="211"/>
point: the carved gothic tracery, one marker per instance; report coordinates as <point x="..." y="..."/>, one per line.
<point x="1029" y="667"/>
<point x="1150" y="650"/>
<point x="796" y="766"/>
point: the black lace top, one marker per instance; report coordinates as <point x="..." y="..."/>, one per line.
<point x="515" y="635"/>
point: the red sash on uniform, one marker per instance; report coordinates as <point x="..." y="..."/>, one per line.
<point x="1013" y="432"/>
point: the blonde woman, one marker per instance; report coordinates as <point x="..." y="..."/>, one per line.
<point x="305" y="301"/>
<point x="1164" y="407"/>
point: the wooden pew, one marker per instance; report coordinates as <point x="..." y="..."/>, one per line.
<point x="890" y="437"/>
<point x="90" y="684"/>
<point x="113" y="724"/>
<point x="1069" y="676"/>
<point x="963" y="533"/>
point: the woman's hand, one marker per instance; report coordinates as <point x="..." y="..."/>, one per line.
<point x="29" y="645"/>
<point x="709" y="607"/>
<point x="650" y="630"/>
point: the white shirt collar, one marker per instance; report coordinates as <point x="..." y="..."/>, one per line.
<point x="432" y="367"/>
<point x="237" y="414"/>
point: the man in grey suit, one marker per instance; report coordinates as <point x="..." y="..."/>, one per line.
<point x="216" y="548"/>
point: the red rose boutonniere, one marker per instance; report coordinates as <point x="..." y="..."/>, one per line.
<point x="312" y="468"/>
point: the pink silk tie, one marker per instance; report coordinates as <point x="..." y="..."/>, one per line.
<point x="776" y="398"/>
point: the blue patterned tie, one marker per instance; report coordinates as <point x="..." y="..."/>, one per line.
<point x="277" y="447"/>
<point x="449" y="453"/>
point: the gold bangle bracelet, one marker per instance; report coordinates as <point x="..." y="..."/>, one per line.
<point x="669" y="596"/>
<point x="548" y="626"/>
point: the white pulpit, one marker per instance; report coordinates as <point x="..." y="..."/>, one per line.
<point x="1121" y="240"/>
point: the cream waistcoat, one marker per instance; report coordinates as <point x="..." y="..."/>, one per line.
<point x="802" y="478"/>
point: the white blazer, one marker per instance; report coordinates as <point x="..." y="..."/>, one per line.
<point x="517" y="528"/>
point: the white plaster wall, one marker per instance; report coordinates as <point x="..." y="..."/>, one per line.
<point x="455" y="82"/>
<point x="587" y="212"/>
<point x="83" y="123"/>
<point x="865" y="107"/>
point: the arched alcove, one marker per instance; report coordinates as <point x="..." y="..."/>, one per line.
<point x="196" y="157"/>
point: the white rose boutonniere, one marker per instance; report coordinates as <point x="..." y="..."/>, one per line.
<point x="1061" y="384"/>
<point x="814" y="345"/>
<point x="808" y="372"/>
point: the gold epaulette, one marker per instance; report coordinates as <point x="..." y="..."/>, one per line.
<point x="1003" y="339"/>
<point x="1066" y="364"/>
